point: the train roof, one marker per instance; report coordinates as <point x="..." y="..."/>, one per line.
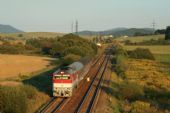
<point x="76" y="66"/>
<point x="72" y="68"/>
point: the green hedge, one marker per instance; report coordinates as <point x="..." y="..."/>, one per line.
<point x="141" y="53"/>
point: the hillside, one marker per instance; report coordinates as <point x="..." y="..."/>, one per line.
<point x="119" y="31"/>
<point x="8" y="29"/>
<point x="132" y="31"/>
<point x="105" y="32"/>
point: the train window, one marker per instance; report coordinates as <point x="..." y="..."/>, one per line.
<point x="56" y="77"/>
<point x="65" y="77"/>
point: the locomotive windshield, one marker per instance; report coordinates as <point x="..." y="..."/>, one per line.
<point x="62" y="77"/>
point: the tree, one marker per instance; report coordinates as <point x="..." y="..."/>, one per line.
<point x="167" y="33"/>
<point x="20" y="35"/>
<point x="139" y="34"/>
<point x="57" y="49"/>
<point x="160" y="31"/>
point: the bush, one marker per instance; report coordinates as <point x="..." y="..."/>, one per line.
<point x="142" y="107"/>
<point x="141" y="53"/>
<point x="121" y="57"/>
<point x="121" y="65"/>
<point x="160" y="31"/>
<point x="70" y="58"/>
<point x="167" y="33"/>
<point x="15" y="99"/>
<point x="161" y="98"/>
<point x="33" y="42"/>
<point x="77" y="45"/>
<point x="57" y="49"/>
<point x="29" y="91"/>
<point x="131" y="91"/>
<point x="12" y="100"/>
<point x="20" y="35"/>
<point x="76" y="50"/>
<point x="12" y="49"/>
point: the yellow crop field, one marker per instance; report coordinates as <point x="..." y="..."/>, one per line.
<point x="14" y="65"/>
<point x="148" y="73"/>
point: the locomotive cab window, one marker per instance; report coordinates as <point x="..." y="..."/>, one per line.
<point x="65" y="77"/>
<point x="62" y="77"/>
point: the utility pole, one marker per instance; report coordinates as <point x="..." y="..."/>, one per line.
<point x="76" y="26"/>
<point x="153" y="25"/>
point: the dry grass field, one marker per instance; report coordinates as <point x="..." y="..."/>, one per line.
<point x="1" y="42"/>
<point x="32" y="34"/>
<point x="14" y="65"/>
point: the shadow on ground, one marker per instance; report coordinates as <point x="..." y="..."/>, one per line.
<point x="42" y="81"/>
<point x="112" y="89"/>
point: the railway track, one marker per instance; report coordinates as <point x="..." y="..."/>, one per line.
<point x="89" y="100"/>
<point x="74" y="105"/>
<point x="54" y="104"/>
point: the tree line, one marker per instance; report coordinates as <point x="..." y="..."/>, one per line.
<point x="55" y="47"/>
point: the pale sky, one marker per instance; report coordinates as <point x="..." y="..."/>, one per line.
<point x="58" y="15"/>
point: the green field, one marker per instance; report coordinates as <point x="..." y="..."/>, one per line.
<point x="154" y="49"/>
<point x="165" y="58"/>
<point x="161" y="53"/>
<point x="141" y="38"/>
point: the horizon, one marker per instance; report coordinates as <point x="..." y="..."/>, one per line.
<point x="58" y="16"/>
<point x="83" y="30"/>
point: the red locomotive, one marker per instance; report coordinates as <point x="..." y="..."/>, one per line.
<point x="65" y="80"/>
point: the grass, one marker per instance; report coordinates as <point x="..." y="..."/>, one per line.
<point x="112" y="91"/>
<point x="164" y="58"/>
<point x="19" y="99"/>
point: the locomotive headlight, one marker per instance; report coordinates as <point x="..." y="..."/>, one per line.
<point x="62" y="72"/>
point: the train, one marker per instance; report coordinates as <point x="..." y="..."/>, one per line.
<point x="66" y="79"/>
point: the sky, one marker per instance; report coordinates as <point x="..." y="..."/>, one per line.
<point x="58" y="15"/>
